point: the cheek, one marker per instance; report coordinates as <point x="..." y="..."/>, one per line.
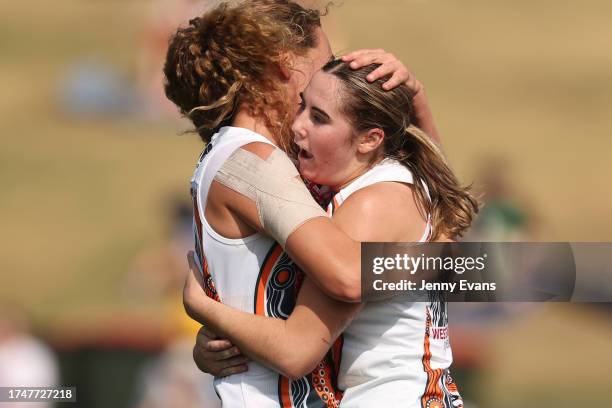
<point x="325" y="148"/>
<point x="332" y="154"/>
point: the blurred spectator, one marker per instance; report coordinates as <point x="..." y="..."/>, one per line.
<point x="163" y="20"/>
<point x="94" y="89"/>
<point x="25" y="361"/>
<point x="157" y="274"/>
<point x="502" y="218"/>
<point x="173" y="380"/>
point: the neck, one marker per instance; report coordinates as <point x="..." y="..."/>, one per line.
<point x="244" y="119"/>
<point x="365" y="164"/>
<point x="356" y="174"/>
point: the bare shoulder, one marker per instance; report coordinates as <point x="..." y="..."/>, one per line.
<point x="281" y="166"/>
<point x="381" y="198"/>
<point x="262" y="150"/>
<point x="384" y="211"/>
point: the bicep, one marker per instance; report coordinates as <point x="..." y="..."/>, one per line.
<point x="235" y="196"/>
<point x="279" y="200"/>
<point x="329" y="257"/>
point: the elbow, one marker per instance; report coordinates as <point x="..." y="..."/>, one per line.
<point x="351" y="280"/>
<point x="346" y="286"/>
<point x="298" y="367"/>
<point x="295" y="365"/>
<point x="348" y="290"/>
<point x="190" y="310"/>
<point x="193" y="308"/>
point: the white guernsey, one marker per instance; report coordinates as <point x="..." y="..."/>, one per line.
<point x="396" y="352"/>
<point x="252" y="274"/>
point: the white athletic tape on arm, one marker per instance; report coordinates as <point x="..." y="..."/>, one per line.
<point x="283" y="201"/>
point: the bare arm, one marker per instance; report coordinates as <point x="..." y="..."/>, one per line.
<point x="313" y="326"/>
<point x="424" y="116"/>
<point x="329" y="257"/>
<point x="218" y="357"/>
<point x="316" y="239"/>
<point x="317" y="319"/>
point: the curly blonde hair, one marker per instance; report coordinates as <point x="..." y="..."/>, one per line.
<point x="224" y="58"/>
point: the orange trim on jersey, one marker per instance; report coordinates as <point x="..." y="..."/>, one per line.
<point x="335" y="204"/>
<point x="284" y="392"/>
<point x="336" y="351"/>
<point x="266" y="270"/>
<point x="323" y="379"/>
<point x="327" y="370"/>
<point x="209" y="284"/>
<point x="433" y="397"/>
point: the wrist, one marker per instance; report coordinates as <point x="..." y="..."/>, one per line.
<point x="420" y="97"/>
<point x="423" y="117"/>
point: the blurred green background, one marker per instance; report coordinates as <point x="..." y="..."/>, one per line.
<point x="520" y="89"/>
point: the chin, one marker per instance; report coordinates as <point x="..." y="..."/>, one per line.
<point x="304" y="171"/>
<point x="309" y="176"/>
<point x="318" y="180"/>
<point x="313" y="176"/>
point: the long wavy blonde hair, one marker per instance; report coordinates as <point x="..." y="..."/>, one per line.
<point x="450" y="205"/>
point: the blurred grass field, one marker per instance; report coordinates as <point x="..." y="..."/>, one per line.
<point x="79" y="198"/>
<point x="530" y="82"/>
<point x="523" y="82"/>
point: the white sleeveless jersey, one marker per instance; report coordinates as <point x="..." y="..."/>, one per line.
<point x="396" y="352"/>
<point x="255" y="275"/>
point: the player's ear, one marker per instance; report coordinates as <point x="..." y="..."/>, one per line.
<point x="370" y="140"/>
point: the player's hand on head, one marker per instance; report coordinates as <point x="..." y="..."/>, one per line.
<point x="399" y="75"/>
<point x="390" y="65"/>
<point x="218" y="357"/>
